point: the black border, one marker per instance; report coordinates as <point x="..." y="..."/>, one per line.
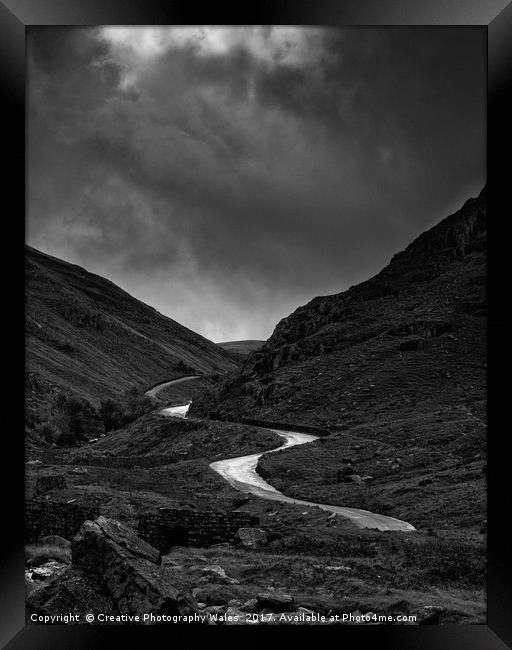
<point x="15" y="16"/>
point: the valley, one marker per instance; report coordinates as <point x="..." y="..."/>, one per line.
<point x="385" y="513"/>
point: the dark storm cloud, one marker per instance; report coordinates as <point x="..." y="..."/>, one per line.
<point x="229" y="178"/>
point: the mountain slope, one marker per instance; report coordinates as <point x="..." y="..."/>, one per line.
<point x="396" y="368"/>
<point x="408" y="328"/>
<point x="240" y="350"/>
<point x="89" y="337"/>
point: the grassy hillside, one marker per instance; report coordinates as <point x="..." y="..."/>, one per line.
<point x="241" y="347"/>
<point x="240" y="350"/>
<point x="87" y="336"/>
<point x="157" y="434"/>
<point x="186" y="391"/>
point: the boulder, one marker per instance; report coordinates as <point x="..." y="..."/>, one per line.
<point x="234" y="602"/>
<point x="252" y="537"/>
<point x="30" y="585"/>
<point x="91" y="545"/>
<point x="79" y="470"/>
<point x="275" y="602"/>
<point x="250" y="606"/>
<point x="429" y="615"/>
<point x="45" y="571"/>
<point x="128" y="568"/>
<point x="217" y="572"/>
<point x="70" y="592"/>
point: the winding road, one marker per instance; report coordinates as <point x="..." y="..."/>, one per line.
<point x="241" y="474"/>
<point x="176" y="411"/>
<point x="153" y="392"/>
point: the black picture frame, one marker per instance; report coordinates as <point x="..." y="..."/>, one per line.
<point x="15" y="16"/>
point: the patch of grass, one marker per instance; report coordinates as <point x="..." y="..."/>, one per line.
<point x="424" y="468"/>
<point x="340" y="583"/>
<point x="37" y="554"/>
<point x="181" y="393"/>
<point x="180" y="439"/>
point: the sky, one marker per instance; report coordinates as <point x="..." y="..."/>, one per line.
<point x="228" y="175"/>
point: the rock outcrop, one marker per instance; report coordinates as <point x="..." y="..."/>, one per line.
<point x="112" y="571"/>
<point x="252" y="537"/>
<point x="295" y="337"/>
<point x="70" y="592"/>
<point x="429" y="300"/>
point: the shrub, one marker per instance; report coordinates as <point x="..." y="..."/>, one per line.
<point x="111" y="414"/>
<point x="115" y="414"/>
<point x="48" y="432"/>
<point x="136" y="404"/>
<point x="68" y="439"/>
<point x="70" y="421"/>
<point x="181" y="366"/>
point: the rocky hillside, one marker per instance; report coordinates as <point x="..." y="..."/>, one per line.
<point x="86" y="336"/>
<point x="396" y="368"/>
<point x="414" y="332"/>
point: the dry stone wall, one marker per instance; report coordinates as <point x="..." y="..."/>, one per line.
<point x="283" y="426"/>
<point x="167" y="527"/>
<point x="52" y="457"/>
<point x="163" y="528"/>
<point x="46" y="517"/>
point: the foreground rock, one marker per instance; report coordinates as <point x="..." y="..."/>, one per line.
<point x="429" y="615"/>
<point x="70" y="592"/>
<point x="275" y="602"/>
<point x="104" y="540"/>
<point x="113" y="571"/>
<point x="218" y="574"/>
<point x="47" y="570"/>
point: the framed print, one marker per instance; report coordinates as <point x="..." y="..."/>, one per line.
<point x="256" y="341"/>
